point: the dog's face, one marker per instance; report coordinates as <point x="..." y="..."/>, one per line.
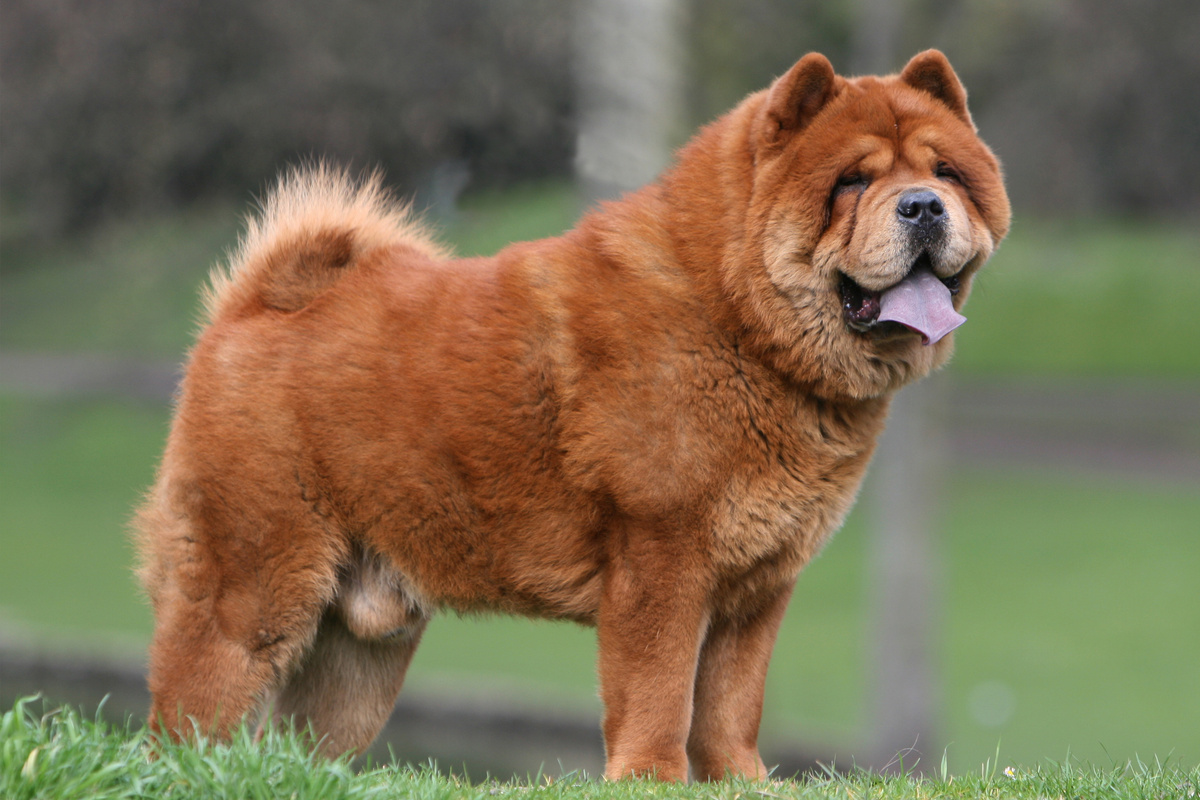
<point x="860" y="186"/>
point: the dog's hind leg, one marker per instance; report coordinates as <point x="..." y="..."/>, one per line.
<point x="347" y="682"/>
<point x="346" y="686"/>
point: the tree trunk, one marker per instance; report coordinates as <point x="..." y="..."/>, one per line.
<point x="628" y="58"/>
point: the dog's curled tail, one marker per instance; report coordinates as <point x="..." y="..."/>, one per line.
<point x="316" y="223"/>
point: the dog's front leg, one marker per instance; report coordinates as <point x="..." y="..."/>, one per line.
<point x="729" y="693"/>
<point x="653" y="613"/>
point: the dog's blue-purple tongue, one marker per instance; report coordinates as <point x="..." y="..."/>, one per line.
<point x="921" y="302"/>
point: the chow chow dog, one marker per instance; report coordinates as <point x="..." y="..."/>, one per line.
<point x="649" y="424"/>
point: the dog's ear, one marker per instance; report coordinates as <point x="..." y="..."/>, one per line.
<point x="794" y="99"/>
<point x="931" y="73"/>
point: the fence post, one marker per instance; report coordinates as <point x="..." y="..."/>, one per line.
<point x="903" y="570"/>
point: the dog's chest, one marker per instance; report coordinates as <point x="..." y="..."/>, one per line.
<point x="785" y="501"/>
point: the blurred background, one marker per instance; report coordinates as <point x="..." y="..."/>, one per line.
<point x="1022" y="574"/>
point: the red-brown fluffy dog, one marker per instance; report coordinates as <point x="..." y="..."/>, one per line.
<point x="649" y="424"/>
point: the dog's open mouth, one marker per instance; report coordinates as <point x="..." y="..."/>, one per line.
<point x="861" y="306"/>
<point x="921" y="302"/>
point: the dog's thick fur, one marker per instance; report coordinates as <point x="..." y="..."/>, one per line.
<point x="649" y="424"/>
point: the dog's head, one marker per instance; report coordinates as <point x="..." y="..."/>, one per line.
<point x="867" y="193"/>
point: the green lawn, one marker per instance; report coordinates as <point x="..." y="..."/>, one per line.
<point x="131" y="287"/>
<point x="1096" y="298"/>
<point x="1077" y="603"/>
<point x="70" y="473"/>
<point x="62" y="756"/>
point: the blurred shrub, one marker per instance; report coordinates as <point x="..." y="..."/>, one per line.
<point x="129" y="104"/>
<point x="1092" y="105"/>
<point x="124" y="105"/>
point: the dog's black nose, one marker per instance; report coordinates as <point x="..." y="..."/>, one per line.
<point x="921" y="207"/>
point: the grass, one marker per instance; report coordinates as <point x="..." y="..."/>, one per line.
<point x="132" y="287"/>
<point x="1070" y="617"/>
<point x="1087" y="298"/>
<point x="70" y="473"/>
<point x="58" y="754"/>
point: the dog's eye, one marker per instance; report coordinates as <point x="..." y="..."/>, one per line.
<point x="947" y="172"/>
<point x="852" y="181"/>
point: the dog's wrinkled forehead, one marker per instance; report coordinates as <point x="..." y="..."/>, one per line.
<point x="891" y="124"/>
